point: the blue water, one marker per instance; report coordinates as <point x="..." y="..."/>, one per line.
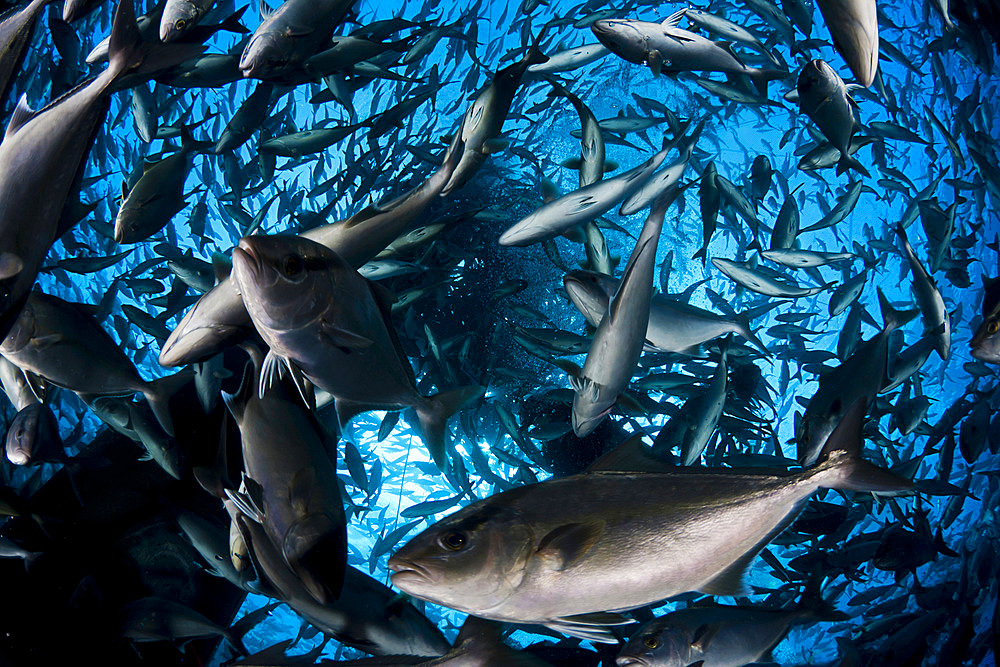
<point x="508" y="187"/>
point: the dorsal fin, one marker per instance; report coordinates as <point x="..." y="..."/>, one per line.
<point x="22" y="114"/>
<point x="674" y="19"/>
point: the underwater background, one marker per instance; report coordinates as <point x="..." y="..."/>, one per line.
<point x="916" y="576"/>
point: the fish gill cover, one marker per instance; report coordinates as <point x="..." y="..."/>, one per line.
<point x="318" y="317"/>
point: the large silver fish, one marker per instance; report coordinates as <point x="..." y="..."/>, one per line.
<point x="41" y="156"/>
<point x="580" y="206"/>
<point x="566" y="552"/>
<point x="285" y="38"/>
<point x="62" y="343"/>
<point x="664" y="47"/>
<point x="860" y="376"/>
<point x="219" y="318"/>
<point x="715" y="636"/>
<point x="323" y="321"/>
<point x="674" y="326"/>
<point x="621" y="333"/>
<point x="824" y="98"/>
<point x="291" y="485"/>
<point x="853" y="25"/>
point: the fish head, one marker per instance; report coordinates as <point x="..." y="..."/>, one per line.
<point x="23" y="434"/>
<point x="473" y="560"/>
<point x="813" y="431"/>
<point x="657" y="643"/>
<point x="588" y="291"/>
<point x="178" y="17"/>
<point x="267" y="52"/>
<point x="407" y="631"/>
<point x="623" y="38"/>
<point x="816" y="80"/>
<point x="18" y="321"/>
<point x="315" y="548"/>
<point x="985" y="343"/>
<point x="286" y="281"/>
<point x="591" y="404"/>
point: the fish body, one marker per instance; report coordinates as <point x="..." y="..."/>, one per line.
<point x="824" y="98"/>
<point x="853" y="24"/>
<point x="674" y="326"/>
<point x="291" y="34"/>
<point x="937" y="323"/>
<point x="42" y="154"/>
<point x="860" y="376"/>
<point x="759" y="282"/>
<point x="220" y="318"/>
<point x="570" y="59"/>
<point x="664" y="47"/>
<point x="323" y="321"/>
<point x="291" y="484"/>
<point x="717" y="636"/>
<point x="484" y="120"/>
<point x="179" y="16"/>
<point x="62" y="343"/>
<point x="801" y="259"/>
<point x="580" y="206"/>
<point x="565" y="552"/>
<point x="621" y="333"/>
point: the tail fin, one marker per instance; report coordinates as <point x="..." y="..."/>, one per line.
<point x="761" y="77"/>
<point x="743" y="322"/>
<point x="893" y="319"/>
<point x="436" y="411"/>
<point x="842" y="466"/>
<point x="125" y="45"/>
<point x="159" y="392"/>
<point x="848" y="161"/>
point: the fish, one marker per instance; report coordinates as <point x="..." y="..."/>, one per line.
<point x="570" y="59"/>
<point x="221" y="318"/>
<point x="298" y="292"/>
<point x="580" y="206"/>
<point x="43" y="153"/>
<point x="674" y="326"/>
<point x="859" y="376"/>
<point x="800" y="259"/>
<point x="485" y="117"/>
<point x="61" y="342"/>
<point x="620" y="335"/>
<point x="827" y="101"/>
<point x="715" y="635"/>
<point x="753" y="279"/>
<point x="937" y="323"/>
<point x="288" y="36"/>
<point x="853" y="25"/>
<point x="562" y="553"/>
<point x="291" y="484"/>
<point x="367" y="616"/>
<point x="33" y="437"/>
<point x="179" y="16"/>
<point x="150" y="204"/>
<point x="664" y="47"/>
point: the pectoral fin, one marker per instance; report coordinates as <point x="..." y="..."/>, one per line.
<point x="565" y="545"/>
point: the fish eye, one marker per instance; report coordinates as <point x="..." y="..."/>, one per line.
<point x="292" y="266"/>
<point x="992" y="327"/>
<point x="453" y="540"/>
<point x="651" y="642"/>
<point x="179" y="24"/>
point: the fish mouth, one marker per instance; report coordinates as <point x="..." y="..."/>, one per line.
<point x="245" y="255"/>
<point x="630" y="661"/>
<point x="407" y="571"/>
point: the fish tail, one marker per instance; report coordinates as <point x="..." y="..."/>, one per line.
<point x="434" y="414"/>
<point x="124" y="47"/>
<point x="761" y="77"/>
<point x="848" y="161"/>
<point x="843" y="468"/>
<point x="743" y="321"/>
<point x="893" y="319"/>
<point x="159" y="392"/>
